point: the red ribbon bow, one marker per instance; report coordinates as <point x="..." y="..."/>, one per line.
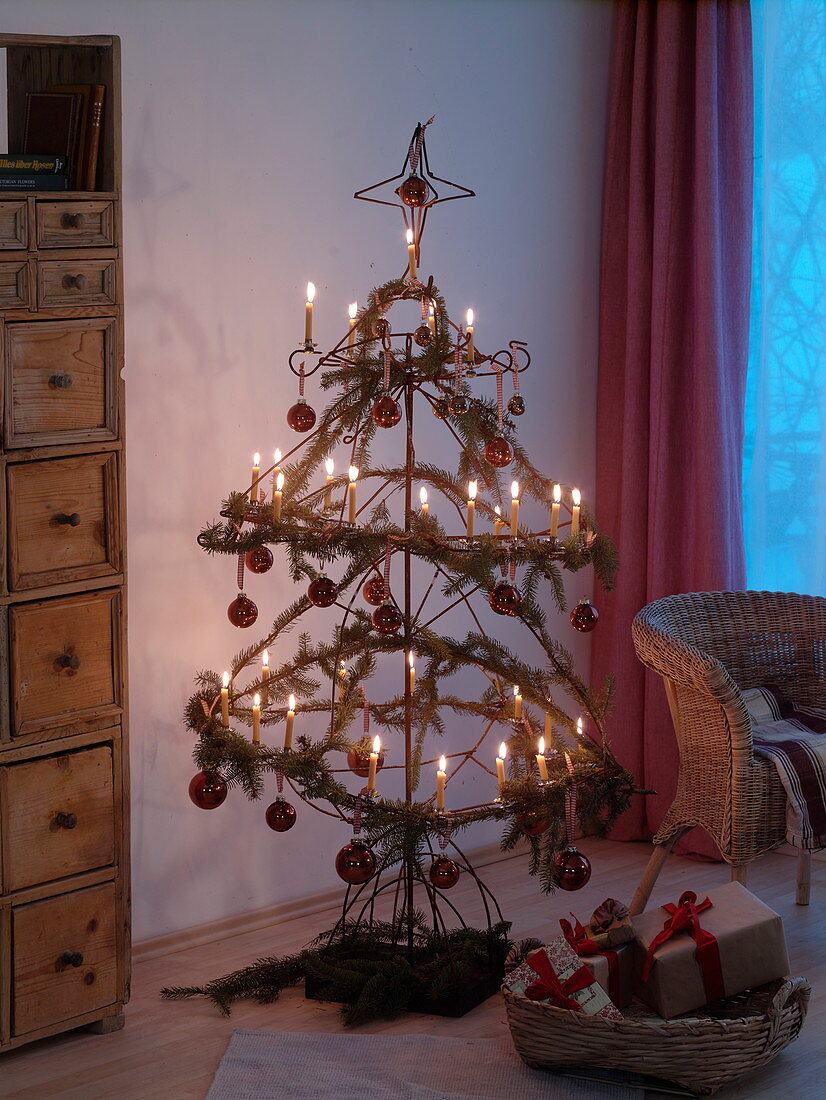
<point x="549" y="987"/>
<point x="685" y="917"/>
<point x="584" y="946"/>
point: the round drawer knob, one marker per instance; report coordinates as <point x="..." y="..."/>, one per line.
<point x="72" y="221"/>
<point x="72" y="958"/>
<point x="76" y="281"/>
<point x="65" y="821"/>
<point x="72" y="520"/>
<point x="66" y="660"/>
<point x="61" y="381"/>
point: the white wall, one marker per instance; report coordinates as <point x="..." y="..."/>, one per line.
<point x="247" y="127"/>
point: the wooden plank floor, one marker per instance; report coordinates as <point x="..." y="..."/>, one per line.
<point x="171" y="1050"/>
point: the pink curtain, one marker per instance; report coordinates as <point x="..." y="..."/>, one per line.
<point x="674" y="309"/>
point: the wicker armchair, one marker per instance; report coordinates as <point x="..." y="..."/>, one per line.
<point x="707" y="646"/>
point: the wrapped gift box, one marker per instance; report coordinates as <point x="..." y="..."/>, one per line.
<point x="741" y="945"/>
<point x="557" y="961"/>
<point x="613" y="967"/>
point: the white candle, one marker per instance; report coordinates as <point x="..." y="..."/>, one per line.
<point x="411" y="255"/>
<point x="470" y="349"/>
<point x="288" y="732"/>
<point x="256" y="719"/>
<point x="541" y="762"/>
<point x="411" y="671"/>
<point x="352" y="310"/>
<point x="256" y="473"/>
<point x="555" y="511"/>
<point x="549" y="726"/>
<point x="225" y="702"/>
<point x="265" y="676"/>
<point x="514" y="508"/>
<point x="472" y="487"/>
<point x="500" y="765"/>
<point x="276" y="469"/>
<point x="423" y="499"/>
<point x="497" y="523"/>
<point x="277" y="497"/>
<point x="576" y="498"/>
<point x="441" y="776"/>
<point x="517" y="703"/>
<point x="353" y="474"/>
<point x="308" y="314"/>
<point x="374" y="762"/>
<point x="328" y="493"/>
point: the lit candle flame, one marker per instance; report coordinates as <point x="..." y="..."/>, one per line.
<point x="472" y="488"/>
<point x="442" y="764"/>
<point x="353" y="473"/>
<point x="291" y="704"/>
<point x="377" y="743"/>
<point x="276" y="455"/>
<point x="541" y="746"/>
<point x="576" y="496"/>
<point x="310" y="291"/>
<point x="503" y="750"/>
<point x="409" y="236"/>
<point x="279" y="481"/>
<point x="514" y="490"/>
<point x="516" y="689"/>
<point x="557" y="494"/>
<point x="352" y="310"/>
<point x="579" y="726"/>
<point x="498" y="510"/>
<point x="423" y="495"/>
<point x="256" y="700"/>
<point x="256" y="459"/>
<point x="470" y="317"/>
<point x="329" y="466"/>
<point x="431" y="309"/>
<point x="411" y="658"/>
<point x="226" y="679"/>
<point x="265" y="657"/>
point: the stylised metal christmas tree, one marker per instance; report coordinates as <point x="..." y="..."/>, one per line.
<point x="411" y="571"/>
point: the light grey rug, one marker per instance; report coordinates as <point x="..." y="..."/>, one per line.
<point x="259" y="1065"/>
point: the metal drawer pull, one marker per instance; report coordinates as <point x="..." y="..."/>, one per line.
<point x="77" y="281"/>
<point x="67" y="661"/>
<point x="73" y="520"/>
<point x="72" y="958"/>
<point x="65" y="821"/>
<point x="61" y="381"/>
<point x="72" y="221"/>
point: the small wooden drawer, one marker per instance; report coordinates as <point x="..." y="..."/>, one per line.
<point x="61" y="382"/>
<point x="57" y="817"/>
<point x="75" y="283"/>
<point x="75" y="224"/>
<point x="13" y="224"/>
<point x="15" y="290"/>
<point x="63" y="520"/>
<point x="65" y="662"/>
<point x="64" y="957"/>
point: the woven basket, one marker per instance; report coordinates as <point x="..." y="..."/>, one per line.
<point x="702" y="1053"/>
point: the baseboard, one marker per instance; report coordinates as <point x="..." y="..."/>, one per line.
<point x="200" y="934"/>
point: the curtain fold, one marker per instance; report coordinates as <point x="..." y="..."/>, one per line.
<point x="674" y="313"/>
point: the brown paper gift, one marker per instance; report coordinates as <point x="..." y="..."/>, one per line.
<point x="750" y="946"/>
<point x="616" y="976"/>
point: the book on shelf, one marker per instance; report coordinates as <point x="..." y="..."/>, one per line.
<point x="52" y="122"/>
<point x="85" y="163"/>
<point x="31" y="164"/>
<point x="43" y="181"/>
<point x="67" y="119"/>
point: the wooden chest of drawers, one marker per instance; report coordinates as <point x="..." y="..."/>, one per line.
<point x="64" y="855"/>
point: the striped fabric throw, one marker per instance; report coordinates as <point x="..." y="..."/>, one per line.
<point x="794" y="738"/>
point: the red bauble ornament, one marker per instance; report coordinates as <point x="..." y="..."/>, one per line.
<point x="387" y="619"/>
<point x="516" y="405"/>
<point x="459" y="404"/>
<point x="355" y="863"/>
<point x="374" y="590"/>
<point x="498" y="452"/>
<point x="242" y="611"/>
<point x="322" y="592"/>
<point x="258" y="560"/>
<point x="413" y="192"/>
<point x="531" y="823"/>
<point x="571" y="869"/>
<point x="381" y="327"/>
<point x="207" y="790"/>
<point x="358" y="761"/>
<point x="505" y="598"/>
<point x="301" y="416"/>
<point x="441" y="409"/>
<point x="443" y="872"/>
<point x="423" y="336"/>
<point x="584" y="616"/>
<point x="280" y="815"/>
<point x="386" y="411"/>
